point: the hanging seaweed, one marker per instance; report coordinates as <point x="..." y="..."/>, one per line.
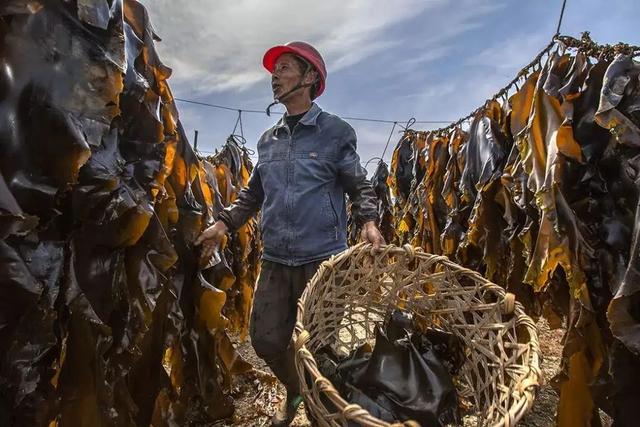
<point x="108" y="314"/>
<point x="540" y="194"/>
<point x="240" y="268"/>
<point x="379" y="182"/>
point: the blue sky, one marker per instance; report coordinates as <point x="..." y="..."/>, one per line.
<point x="428" y="59"/>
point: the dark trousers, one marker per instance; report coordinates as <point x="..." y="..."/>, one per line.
<point x="274" y="315"/>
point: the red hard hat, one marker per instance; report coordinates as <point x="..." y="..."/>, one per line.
<point x="302" y="49"/>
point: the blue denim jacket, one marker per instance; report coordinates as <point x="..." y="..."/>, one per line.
<point x="299" y="183"/>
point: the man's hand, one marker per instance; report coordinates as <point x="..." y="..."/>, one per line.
<point x="210" y="239"/>
<point x="371" y="234"/>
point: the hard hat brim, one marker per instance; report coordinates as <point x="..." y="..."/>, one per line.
<point x="272" y="55"/>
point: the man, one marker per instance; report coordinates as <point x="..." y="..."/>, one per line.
<point x="306" y="164"/>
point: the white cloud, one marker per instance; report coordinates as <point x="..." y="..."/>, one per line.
<point x="512" y="54"/>
<point x="428" y="56"/>
<point x="482" y="75"/>
<point x="433" y="92"/>
<point x="218" y="45"/>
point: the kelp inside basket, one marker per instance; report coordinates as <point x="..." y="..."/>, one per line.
<point x="353" y="292"/>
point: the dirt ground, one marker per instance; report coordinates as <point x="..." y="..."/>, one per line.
<point x="257" y="393"/>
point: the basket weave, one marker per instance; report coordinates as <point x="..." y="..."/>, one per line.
<point x="352" y="292"/>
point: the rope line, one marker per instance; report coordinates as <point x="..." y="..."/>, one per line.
<point x="243" y="110"/>
<point x="238" y="121"/>
<point x="388" y="140"/>
<point x="564" y="3"/>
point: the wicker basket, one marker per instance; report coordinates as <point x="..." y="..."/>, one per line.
<point x="352" y="292"/>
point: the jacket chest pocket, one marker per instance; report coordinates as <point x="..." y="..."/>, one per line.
<point x="272" y="159"/>
<point x="314" y="169"/>
<point x="315" y="149"/>
<point x="317" y="154"/>
<point x="315" y="160"/>
<point x="274" y="155"/>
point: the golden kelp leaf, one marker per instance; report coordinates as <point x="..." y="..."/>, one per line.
<point x="244" y="239"/>
<point x="233" y="362"/>
<point x="609" y="114"/>
<point x="227" y="281"/>
<point x="434" y="205"/>
<point x="179" y="173"/>
<point x="246" y="285"/>
<point x="584" y="353"/>
<point x="224" y="241"/>
<point x="232" y="170"/>
<point x="522" y="104"/>
<point x="133" y="226"/>
<point x="173" y="363"/>
<point x="59" y="362"/>
<point x="172" y="208"/>
<point x="244" y="174"/>
<point x="454" y="228"/>
<point x="540" y="158"/>
<point x="166" y="412"/>
<point x="419" y="144"/>
<point x="566" y="144"/>
<point x="223" y="176"/>
<point x="210" y="308"/>
<point x="576" y="407"/>
<point x="404" y="227"/>
<point x="391" y="179"/>
<point x="207" y="192"/>
<point x="169" y="158"/>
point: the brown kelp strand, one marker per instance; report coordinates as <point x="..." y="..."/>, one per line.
<point x="540" y="194"/>
<point x="379" y="182"/>
<point x="108" y="316"/>
<point x="240" y="268"/>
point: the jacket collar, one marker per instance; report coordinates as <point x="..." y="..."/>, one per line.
<point x="309" y="119"/>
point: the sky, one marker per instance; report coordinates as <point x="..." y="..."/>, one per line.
<point x="435" y="60"/>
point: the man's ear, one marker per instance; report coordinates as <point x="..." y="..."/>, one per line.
<point x="311" y="77"/>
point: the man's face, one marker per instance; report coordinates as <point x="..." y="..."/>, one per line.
<point x="286" y="74"/>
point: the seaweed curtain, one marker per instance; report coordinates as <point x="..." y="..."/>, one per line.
<point x="107" y="316"/>
<point x="540" y="193"/>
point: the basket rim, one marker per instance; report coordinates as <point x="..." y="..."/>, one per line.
<point x="305" y="360"/>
